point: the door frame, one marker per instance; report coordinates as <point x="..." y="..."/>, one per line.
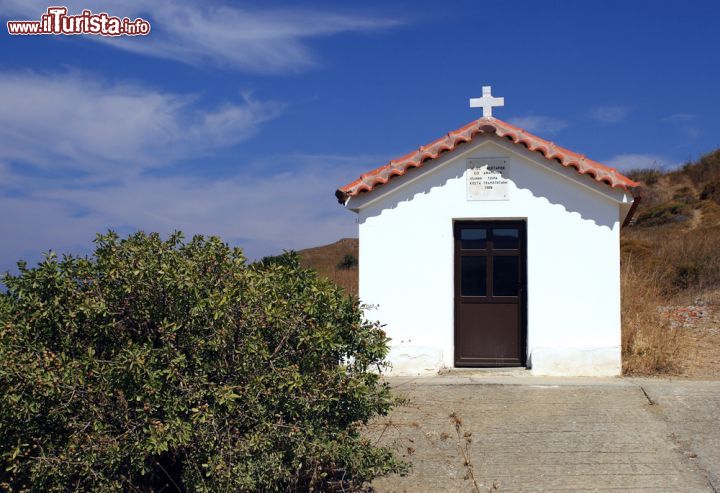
<point x="521" y="223"/>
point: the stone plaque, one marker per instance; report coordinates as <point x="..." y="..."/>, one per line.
<point x="487" y="178"/>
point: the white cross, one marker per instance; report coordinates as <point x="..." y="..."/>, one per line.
<point x="486" y="102"/>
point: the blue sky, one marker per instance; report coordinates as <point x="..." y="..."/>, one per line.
<point x="241" y="119"/>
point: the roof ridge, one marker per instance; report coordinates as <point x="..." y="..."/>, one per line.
<point x="486" y="125"/>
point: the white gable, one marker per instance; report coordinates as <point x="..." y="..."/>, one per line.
<point x="507" y="149"/>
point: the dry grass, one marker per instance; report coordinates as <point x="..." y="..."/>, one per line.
<point x="702" y="360"/>
<point x="673" y="264"/>
<point x="683" y="262"/>
<point x="672" y="258"/>
<point x="346" y="279"/>
<point x="649" y="344"/>
<point x="325" y="259"/>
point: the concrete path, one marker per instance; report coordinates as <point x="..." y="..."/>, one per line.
<point x="692" y="413"/>
<point x="471" y="432"/>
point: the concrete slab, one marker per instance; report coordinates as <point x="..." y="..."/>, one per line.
<point x="481" y="432"/>
<point x="692" y="412"/>
<point x="505" y="377"/>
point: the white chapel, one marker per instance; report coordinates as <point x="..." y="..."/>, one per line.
<point x="492" y="247"/>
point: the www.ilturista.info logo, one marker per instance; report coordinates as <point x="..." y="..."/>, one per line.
<point x="57" y="21"/>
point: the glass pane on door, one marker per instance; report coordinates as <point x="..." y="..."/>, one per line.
<point x="473" y="239"/>
<point x="506" y="239"/>
<point x="506" y="276"/>
<point x="473" y="276"/>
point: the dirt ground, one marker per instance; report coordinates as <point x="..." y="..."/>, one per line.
<point x="477" y="432"/>
<point x="699" y="319"/>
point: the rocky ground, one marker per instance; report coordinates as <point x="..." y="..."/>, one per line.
<point x="699" y="321"/>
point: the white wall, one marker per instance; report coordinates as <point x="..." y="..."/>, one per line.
<point x="573" y="226"/>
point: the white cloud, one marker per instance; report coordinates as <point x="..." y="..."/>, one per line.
<point x="625" y="162"/>
<point x="82" y="123"/>
<point x="692" y="132"/>
<point x="263" y="214"/>
<point x="609" y="114"/>
<point x="540" y="124"/>
<point x="218" y="34"/>
<point x="78" y="156"/>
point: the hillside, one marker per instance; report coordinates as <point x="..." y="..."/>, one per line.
<point x="326" y="261"/>
<point x="670" y="272"/>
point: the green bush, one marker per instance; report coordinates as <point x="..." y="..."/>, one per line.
<point x="349" y="261"/>
<point x="288" y="259"/>
<point x="685" y="195"/>
<point x="704" y="169"/>
<point x="687" y="274"/>
<point x="648" y="176"/>
<point x="175" y="366"/>
<point x="711" y="191"/>
<point x="664" y="213"/>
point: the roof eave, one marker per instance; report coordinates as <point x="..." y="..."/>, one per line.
<point x="637" y="193"/>
<point x="484" y="126"/>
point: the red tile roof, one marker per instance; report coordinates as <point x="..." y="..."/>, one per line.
<point x="487" y="126"/>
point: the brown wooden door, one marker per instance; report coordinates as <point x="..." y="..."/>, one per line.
<point x="490" y="291"/>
